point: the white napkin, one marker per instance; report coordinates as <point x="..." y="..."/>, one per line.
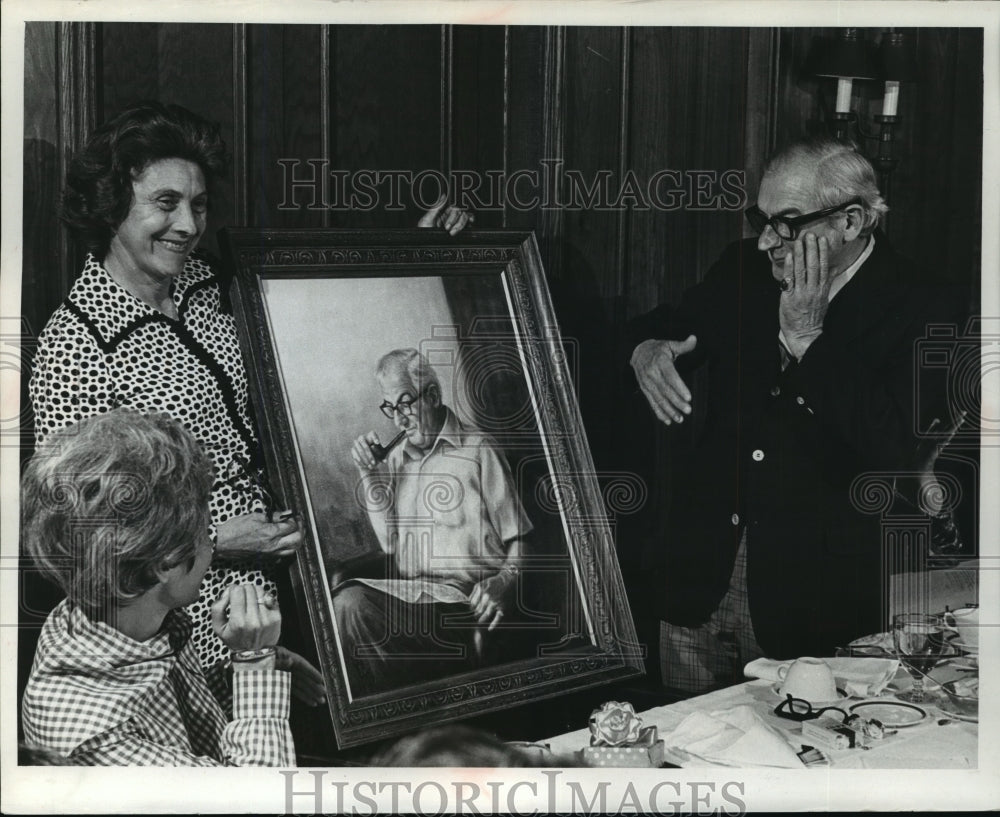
<point x="732" y="737"/>
<point x="858" y="677"/>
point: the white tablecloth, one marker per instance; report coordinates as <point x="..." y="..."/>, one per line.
<point x="926" y="745"/>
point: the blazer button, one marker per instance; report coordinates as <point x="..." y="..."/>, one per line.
<point x="775" y="391"/>
<point x="800" y="400"/>
<point x="735" y="518"/>
<point x="758" y="455"/>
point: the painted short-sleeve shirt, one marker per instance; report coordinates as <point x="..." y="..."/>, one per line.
<point x="455" y="508"/>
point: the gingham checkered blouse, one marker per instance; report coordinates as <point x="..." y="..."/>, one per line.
<point x="103" y="699"/>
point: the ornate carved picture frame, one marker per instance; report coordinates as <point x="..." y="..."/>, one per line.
<point x="317" y="311"/>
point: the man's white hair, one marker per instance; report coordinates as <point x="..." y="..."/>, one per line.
<point x="840" y="173"/>
<point x="413" y="363"/>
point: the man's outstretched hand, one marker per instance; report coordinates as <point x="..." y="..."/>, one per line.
<point x="667" y="394"/>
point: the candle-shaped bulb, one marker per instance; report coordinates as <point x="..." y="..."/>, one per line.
<point x="844" y="94"/>
<point x="891" y="99"/>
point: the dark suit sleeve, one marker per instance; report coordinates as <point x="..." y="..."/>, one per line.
<point x="872" y="397"/>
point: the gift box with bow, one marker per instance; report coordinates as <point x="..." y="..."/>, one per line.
<point x="618" y="739"/>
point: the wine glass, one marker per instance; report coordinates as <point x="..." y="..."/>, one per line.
<point x="919" y="639"/>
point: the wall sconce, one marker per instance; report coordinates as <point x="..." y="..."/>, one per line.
<point x="850" y="57"/>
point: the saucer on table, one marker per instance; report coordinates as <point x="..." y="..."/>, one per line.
<point x="962" y="648"/>
<point x="895" y="714"/>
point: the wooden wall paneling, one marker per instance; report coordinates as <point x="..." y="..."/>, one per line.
<point x="799" y="112"/>
<point x="130" y="65"/>
<point x="386" y="103"/>
<point x="689" y="115"/>
<point x="549" y="224"/>
<point x="446" y="80"/>
<point x="525" y="100"/>
<point x="936" y="187"/>
<point x="239" y="170"/>
<point x="42" y="270"/>
<point x="593" y="147"/>
<point x="760" y="120"/>
<point x="966" y="171"/>
<point x="723" y="122"/>
<point x="286" y="106"/>
<point x="524" y="143"/>
<point x="652" y="149"/>
<point x="624" y="166"/>
<point x="78" y="104"/>
<point x="195" y="69"/>
<point x="477" y="103"/>
<point x="587" y="290"/>
<point x="325" y="99"/>
<point x="266" y="83"/>
<point x="304" y="107"/>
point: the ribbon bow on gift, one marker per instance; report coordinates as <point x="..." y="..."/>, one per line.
<point x="616" y="724"/>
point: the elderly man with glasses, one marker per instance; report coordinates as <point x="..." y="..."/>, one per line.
<point x="808" y="344"/>
<point x="443" y="504"/>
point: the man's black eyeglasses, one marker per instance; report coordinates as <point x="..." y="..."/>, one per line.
<point x="788" y="227"/>
<point x="798" y="709"/>
<point x="404" y="405"/>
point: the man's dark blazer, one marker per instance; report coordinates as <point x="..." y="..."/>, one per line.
<point x="779" y="450"/>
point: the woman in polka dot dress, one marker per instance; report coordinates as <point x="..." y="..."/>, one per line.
<point x="144" y="327"/>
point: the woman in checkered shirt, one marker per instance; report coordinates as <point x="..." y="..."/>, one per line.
<point x="115" y="511"/>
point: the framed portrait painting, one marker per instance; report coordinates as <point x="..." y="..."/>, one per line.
<point x="418" y="414"/>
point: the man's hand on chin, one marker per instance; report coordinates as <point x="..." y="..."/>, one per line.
<point x="806" y="298"/>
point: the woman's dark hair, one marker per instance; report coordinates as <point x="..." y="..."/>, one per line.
<point x="98" y="192"/>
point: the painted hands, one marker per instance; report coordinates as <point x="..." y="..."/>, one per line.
<point x="488" y="598"/>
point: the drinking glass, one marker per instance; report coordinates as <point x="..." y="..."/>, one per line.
<point x="919" y="639"/>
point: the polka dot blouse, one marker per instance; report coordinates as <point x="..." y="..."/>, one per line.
<point x="104" y="348"/>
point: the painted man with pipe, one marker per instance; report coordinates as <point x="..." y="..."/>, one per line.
<point x="444" y="507"/>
